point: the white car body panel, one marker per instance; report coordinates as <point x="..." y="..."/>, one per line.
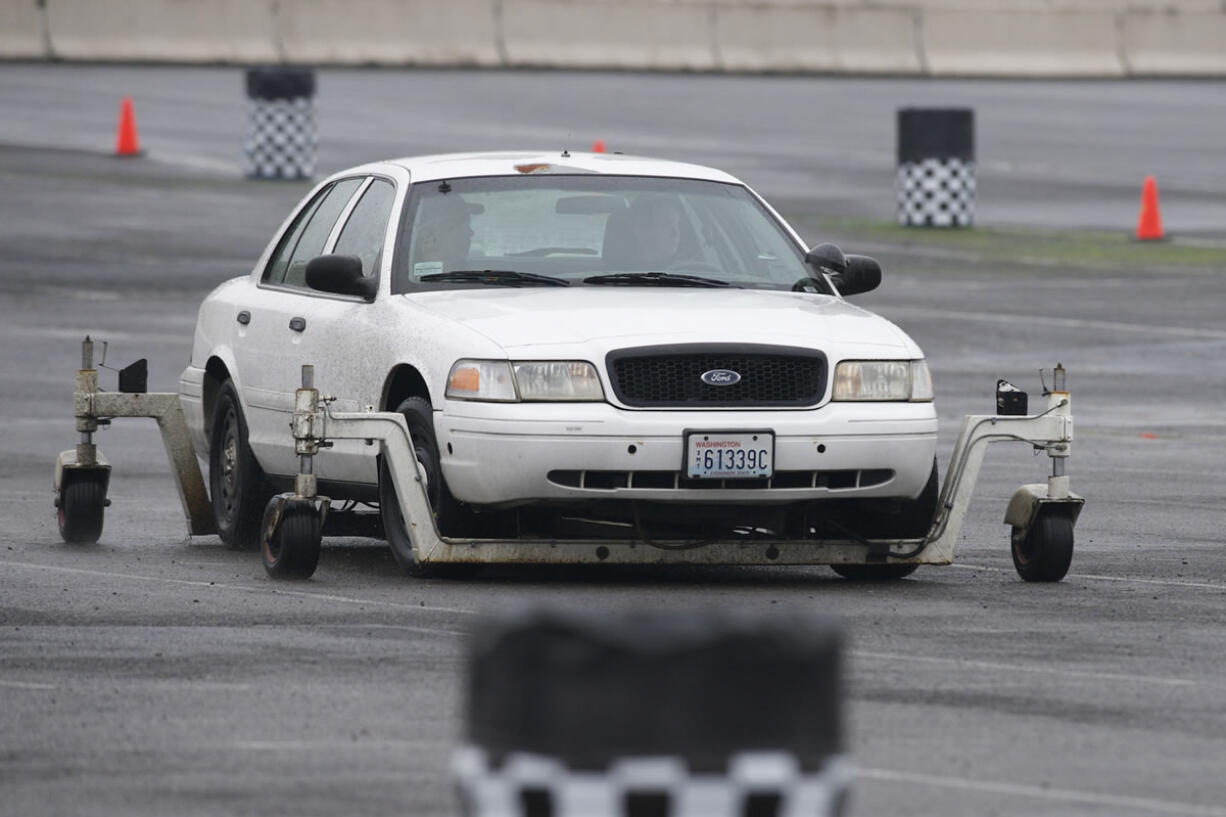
<point x="501" y="453"/>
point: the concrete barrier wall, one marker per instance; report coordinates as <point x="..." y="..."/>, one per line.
<point x="925" y="37"/>
<point x="23" y="30"/>
<point x="171" y="30"/>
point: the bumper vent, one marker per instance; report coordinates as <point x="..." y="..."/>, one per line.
<point x="762" y="376"/>
<point x="675" y="480"/>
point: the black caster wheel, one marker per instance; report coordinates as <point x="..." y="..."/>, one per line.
<point x="1045" y="552"/>
<point x="292" y="550"/>
<point x="80" y="511"/>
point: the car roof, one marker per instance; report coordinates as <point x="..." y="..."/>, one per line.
<point x="507" y="163"/>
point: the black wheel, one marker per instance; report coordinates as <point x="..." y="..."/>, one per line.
<point x="292" y="552"/>
<point x="874" y="573"/>
<point x="236" y="482"/>
<point x="81" y="510"/>
<point x="1046" y="551"/>
<point x="450" y="516"/>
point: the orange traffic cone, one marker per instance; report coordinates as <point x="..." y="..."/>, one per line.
<point x="598" y="146"/>
<point x="1149" y="225"/>
<point x="127" y="143"/>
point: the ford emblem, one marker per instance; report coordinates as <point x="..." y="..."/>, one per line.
<point x="721" y="377"/>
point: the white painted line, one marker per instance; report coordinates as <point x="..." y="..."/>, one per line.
<point x="1118" y="579"/>
<point x="329" y="744"/>
<point x="405" y="627"/>
<point x="1164" y="472"/>
<point x="1173" y="503"/>
<point x="198" y="161"/>
<point x="1038" y="670"/>
<point x="242" y="588"/>
<point x="1042" y="320"/>
<point x="25" y="685"/>
<point x="109" y="335"/>
<point x="1044" y="793"/>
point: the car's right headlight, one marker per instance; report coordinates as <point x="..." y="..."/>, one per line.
<point x="882" y="380"/>
<point x="527" y="380"/>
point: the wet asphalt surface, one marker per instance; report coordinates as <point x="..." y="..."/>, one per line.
<point x="156" y="674"/>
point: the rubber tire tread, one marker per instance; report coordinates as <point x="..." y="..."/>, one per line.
<point x="82" y="511"/>
<point x="916" y="518"/>
<point x="293" y="552"/>
<point x="1047" y="552"/>
<point x="243" y="531"/>
<point x="875" y="573"/>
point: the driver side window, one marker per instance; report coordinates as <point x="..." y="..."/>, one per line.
<point x="366" y="229"/>
<point x="306" y="237"/>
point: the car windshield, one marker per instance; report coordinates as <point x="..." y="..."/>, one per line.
<point x="590" y="230"/>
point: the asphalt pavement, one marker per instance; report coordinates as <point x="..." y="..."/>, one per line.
<point x="154" y="673"/>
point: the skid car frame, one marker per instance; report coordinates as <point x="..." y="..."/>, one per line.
<point x="1041" y="515"/>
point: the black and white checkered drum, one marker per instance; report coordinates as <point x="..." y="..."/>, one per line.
<point x="281" y="137"/>
<point x="936" y="167"/>
<point x="649" y="714"/>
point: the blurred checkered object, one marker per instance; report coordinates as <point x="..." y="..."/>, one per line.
<point x="936" y="193"/>
<point x="756" y="784"/>
<point x="281" y="138"/>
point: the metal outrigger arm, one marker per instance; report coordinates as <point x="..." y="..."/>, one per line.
<point x="1050" y="431"/>
<point x="82" y="474"/>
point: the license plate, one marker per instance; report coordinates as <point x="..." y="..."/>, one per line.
<point x="729" y="455"/>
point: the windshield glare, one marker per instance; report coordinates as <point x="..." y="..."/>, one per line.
<point x="580" y="228"/>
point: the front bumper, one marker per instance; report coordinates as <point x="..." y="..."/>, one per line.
<point x="521" y="452"/>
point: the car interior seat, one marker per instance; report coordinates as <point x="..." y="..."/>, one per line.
<point x="619" y="249"/>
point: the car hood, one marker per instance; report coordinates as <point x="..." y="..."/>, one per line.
<point x="615" y="317"/>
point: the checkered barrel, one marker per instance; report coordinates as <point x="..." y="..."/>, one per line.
<point x="936" y="167"/>
<point x="281" y="137"/>
<point x="654" y="714"/>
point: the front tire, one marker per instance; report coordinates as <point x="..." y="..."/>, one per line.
<point x="237" y="487"/>
<point x="874" y="573"/>
<point x="449" y="515"/>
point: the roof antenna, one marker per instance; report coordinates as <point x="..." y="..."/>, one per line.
<point x="565" y="151"/>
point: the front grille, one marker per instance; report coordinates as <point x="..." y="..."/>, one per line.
<point x="671" y="376"/>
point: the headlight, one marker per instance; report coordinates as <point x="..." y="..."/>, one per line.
<point x="557" y="380"/>
<point x="511" y="381"/>
<point x="880" y="380"/>
<point x="481" y="380"/>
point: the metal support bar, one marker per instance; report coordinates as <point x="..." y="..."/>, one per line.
<point x="167" y="411"/>
<point x="92" y="407"/>
<point x="1050" y="430"/>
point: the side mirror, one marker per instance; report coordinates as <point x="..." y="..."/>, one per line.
<point x="340" y="274"/>
<point x="863" y="274"/>
<point x="827" y="257"/>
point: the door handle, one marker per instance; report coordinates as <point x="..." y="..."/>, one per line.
<point x="244" y="317"/>
<point x="297" y="324"/>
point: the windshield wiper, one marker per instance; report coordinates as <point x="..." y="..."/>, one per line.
<point x="661" y="279"/>
<point x="495" y="277"/>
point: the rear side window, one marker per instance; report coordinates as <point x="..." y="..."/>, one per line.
<point x="366" y="228"/>
<point x="306" y="237"/>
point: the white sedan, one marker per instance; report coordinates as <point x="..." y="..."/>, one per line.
<point x="581" y="344"/>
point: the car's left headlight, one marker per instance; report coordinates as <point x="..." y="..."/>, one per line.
<point x="529" y="380"/>
<point x="882" y="380"/>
